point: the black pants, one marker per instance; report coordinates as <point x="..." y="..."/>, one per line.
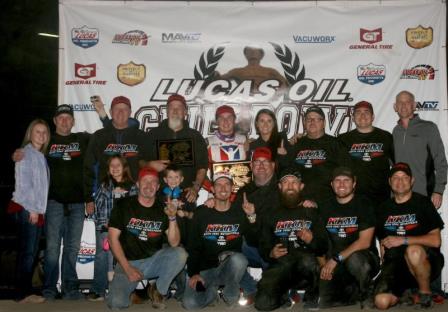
<point x="297" y="269"/>
<point x="351" y="280"/>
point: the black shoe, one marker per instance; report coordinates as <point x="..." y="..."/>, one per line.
<point x="425" y="301"/>
<point x="94" y="297"/>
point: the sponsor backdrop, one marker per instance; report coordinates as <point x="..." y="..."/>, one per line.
<point x="333" y="54"/>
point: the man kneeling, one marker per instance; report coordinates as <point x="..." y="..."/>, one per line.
<point x="408" y="227"/>
<point x="214" y="247"/>
<point x="293" y="237"/>
<point x="136" y="232"/>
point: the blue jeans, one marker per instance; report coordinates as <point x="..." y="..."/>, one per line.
<point x="101" y="266"/>
<point x="248" y="284"/>
<point x="66" y="225"/>
<point x="228" y="273"/>
<point x="28" y="244"/>
<point x="164" y="265"/>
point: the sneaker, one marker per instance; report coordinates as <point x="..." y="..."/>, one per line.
<point x="94" y="297"/>
<point x="425" y="301"/>
<point x="33" y="299"/>
<point x="158" y="301"/>
<point x="246" y="301"/>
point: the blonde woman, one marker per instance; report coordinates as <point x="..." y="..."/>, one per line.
<point x="28" y="205"/>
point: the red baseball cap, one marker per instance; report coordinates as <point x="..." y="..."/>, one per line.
<point x="224" y="109"/>
<point x="121" y="100"/>
<point x="262" y="152"/>
<point x="363" y="104"/>
<point x="147" y="171"/>
<point x="176" y="97"/>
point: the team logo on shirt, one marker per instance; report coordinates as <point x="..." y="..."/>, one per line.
<point x="401" y="224"/>
<point x="229" y="152"/>
<point x="366" y="151"/>
<point x="126" y="150"/>
<point x="342" y="226"/>
<point x="222" y="233"/>
<point x="310" y="158"/>
<point x="287" y="230"/>
<point x="144" y="229"/>
<point x="64" y="151"/>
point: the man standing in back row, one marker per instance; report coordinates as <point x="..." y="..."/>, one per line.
<point x="372" y="153"/>
<point x="417" y="142"/>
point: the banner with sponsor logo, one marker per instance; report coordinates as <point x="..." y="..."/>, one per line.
<point x="284" y="56"/>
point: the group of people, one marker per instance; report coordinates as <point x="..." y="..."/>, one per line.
<point x="308" y="218"/>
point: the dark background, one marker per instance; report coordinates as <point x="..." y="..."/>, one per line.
<point x="28" y="79"/>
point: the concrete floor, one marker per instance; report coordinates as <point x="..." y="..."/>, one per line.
<point x="173" y="305"/>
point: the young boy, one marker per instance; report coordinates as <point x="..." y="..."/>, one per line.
<point x="173" y="178"/>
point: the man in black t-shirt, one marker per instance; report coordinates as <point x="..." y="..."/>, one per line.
<point x="214" y="247"/>
<point x="292" y="238"/>
<point x="371" y="150"/>
<point x="352" y="260"/>
<point x="408" y="227"/>
<point x="317" y="154"/>
<point x="137" y="228"/>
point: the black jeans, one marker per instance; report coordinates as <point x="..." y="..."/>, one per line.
<point x="297" y="269"/>
<point x="351" y="280"/>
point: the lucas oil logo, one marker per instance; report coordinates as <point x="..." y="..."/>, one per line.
<point x="371" y="74"/>
<point x="85" y="37"/>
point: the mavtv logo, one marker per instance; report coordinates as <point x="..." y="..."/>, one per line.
<point x="428" y="106"/>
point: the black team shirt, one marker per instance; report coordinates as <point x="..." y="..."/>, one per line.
<point x="416" y="217"/>
<point x="371" y="154"/>
<point x="281" y="226"/>
<point x="344" y="221"/>
<point x="317" y="158"/>
<point x="65" y="159"/>
<point x="142" y="228"/>
<point x="213" y="232"/>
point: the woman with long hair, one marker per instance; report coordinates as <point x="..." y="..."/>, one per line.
<point x="28" y="205"/>
<point x="269" y="136"/>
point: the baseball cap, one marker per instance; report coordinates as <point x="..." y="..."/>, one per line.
<point x="147" y="171"/>
<point x="315" y="109"/>
<point x="224" y="109"/>
<point x="364" y="104"/>
<point x="262" y="152"/>
<point x="120" y="99"/>
<point x="63" y="109"/>
<point x="342" y="171"/>
<point x="176" y="97"/>
<point x="222" y="174"/>
<point x="401" y="166"/>
<point x="290" y="172"/>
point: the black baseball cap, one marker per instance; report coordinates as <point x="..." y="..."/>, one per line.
<point x="290" y="172"/>
<point x="342" y="171"/>
<point x="63" y="109"/>
<point x="401" y="166"/>
<point x="315" y="109"/>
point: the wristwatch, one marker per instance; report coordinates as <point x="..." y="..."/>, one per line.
<point x="252" y="217"/>
<point x="338" y="258"/>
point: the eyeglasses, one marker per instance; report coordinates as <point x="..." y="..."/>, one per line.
<point x="258" y="162"/>
<point x="309" y="120"/>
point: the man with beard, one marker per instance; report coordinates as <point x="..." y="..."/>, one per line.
<point x="352" y="260"/>
<point x="372" y="153"/>
<point x="408" y="226"/>
<point x="292" y="238"/>
<point x="214" y="248"/>
<point x="176" y="127"/>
